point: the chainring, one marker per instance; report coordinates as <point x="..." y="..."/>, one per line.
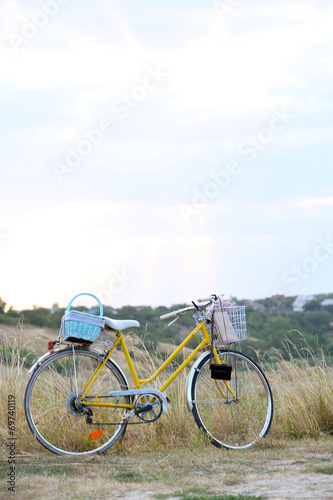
<point x="152" y="414"/>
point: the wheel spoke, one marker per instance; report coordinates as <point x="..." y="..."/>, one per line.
<point x="230" y="422"/>
<point x="51" y="411"/>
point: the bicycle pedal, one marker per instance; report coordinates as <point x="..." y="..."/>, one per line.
<point x="168" y="400"/>
<point x="128" y="415"/>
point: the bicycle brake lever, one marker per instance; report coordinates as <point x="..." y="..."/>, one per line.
<point x="195" y="305"/>
<point x="174" y="320"/>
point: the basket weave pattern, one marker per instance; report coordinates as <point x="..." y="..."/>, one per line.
<point x="80" y="328"/>
<point x="77" y="326"/>
<point x="229" y="324"/>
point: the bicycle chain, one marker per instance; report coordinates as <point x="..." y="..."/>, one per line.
<point x="119" y="423"/>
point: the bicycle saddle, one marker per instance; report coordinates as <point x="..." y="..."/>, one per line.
<point x="119" y="325"/>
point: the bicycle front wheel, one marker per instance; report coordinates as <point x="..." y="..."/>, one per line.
<point x="52" y="412"/>
<point x="234" y="413"/>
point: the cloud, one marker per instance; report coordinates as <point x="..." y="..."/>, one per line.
<point x="316" y="202"/>
<point x="120" y="208"/>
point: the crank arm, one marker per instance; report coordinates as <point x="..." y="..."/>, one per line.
<point x="142" y="392"/>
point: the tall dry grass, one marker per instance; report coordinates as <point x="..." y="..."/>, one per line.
<point x="303" y="393"/>
<point x="15" y="358"/>
<point x="301" y="386"/>
<point x="176" y="428"/>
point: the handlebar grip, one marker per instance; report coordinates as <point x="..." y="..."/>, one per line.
<point x="168" y="315"/>
<point x="210" y="298"/>
<point x="179" y="311"/>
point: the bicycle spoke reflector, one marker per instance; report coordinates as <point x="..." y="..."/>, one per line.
<point x="96" y="434"/>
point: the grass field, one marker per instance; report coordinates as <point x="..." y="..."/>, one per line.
<point x="275" y="470"/>
<point x="169" y="458"/>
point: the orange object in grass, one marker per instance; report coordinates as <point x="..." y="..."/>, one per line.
<point x="95" y="434"/>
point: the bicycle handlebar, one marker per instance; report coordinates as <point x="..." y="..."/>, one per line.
<point x="210" y="298"/>
<point x="189" y="308"/>
<point x="179" y="311"/>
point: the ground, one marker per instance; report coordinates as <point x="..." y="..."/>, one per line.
<point x="274" y="470"/>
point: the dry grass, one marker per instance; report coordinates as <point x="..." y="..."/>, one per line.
<point x="303" y="394"/>
<point x="14" y="377"/>
<point x="302" y="391"/>
<point x="176" y="428"/>
<point x="296" y="469"/>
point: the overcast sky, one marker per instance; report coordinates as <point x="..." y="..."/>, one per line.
<point x="154" y="152"/>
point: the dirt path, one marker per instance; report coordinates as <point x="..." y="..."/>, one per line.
<point x="287" y="470"/>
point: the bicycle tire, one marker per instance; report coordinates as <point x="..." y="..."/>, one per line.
<point x="49" y="403"/>
<point x="229" y="422"/>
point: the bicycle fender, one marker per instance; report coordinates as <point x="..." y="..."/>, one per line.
<point x="188" y="392"/>
<point x="38" y="362"/>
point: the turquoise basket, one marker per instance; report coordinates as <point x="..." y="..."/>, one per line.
<point x="80" y="327"/>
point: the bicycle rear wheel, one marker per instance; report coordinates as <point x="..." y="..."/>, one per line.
<point x="232" y="413"/>
<point x="50" y="403"/>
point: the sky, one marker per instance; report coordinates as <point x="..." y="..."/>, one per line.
<point x="156" y="152"/>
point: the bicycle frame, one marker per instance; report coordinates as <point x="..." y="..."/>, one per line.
<point x="75" y="389"/>
<point x="138" y="382"/>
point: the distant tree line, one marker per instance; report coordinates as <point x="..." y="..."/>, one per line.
<point x="267" y="328"/>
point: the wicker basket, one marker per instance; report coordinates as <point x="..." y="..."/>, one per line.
<point x="80" y="327"/>
<point x="229" y="324"/>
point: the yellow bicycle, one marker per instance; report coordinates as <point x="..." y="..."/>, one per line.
<point x="79" y="402"/>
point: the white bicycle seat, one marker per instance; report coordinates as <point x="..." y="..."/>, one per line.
<point x="119" y="325"/>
